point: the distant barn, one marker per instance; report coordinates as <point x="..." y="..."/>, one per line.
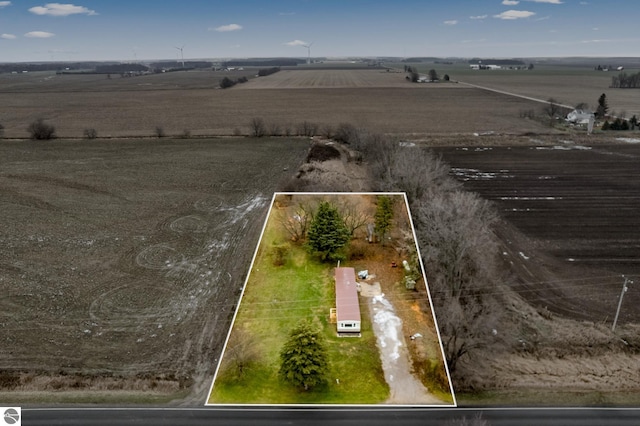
<point x="347" y="305"/>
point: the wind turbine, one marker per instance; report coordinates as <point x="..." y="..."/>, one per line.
<point x="181" y="49"/>
<point x="308" y="46"/>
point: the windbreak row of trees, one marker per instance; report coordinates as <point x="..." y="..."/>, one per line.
<point x="626" y="81"/>
<point x="454" y="230"/>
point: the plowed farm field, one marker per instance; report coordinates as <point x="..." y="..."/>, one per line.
<point x="125" y="258"/>
<point x="191" y="103"/>
<point x="577" y="206"/>
<point x="294" y="79"/>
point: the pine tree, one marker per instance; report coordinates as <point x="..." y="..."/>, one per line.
<point x="327" y="233"/>
<point x="603" y="108"/>
<point x="303" y="358"/>
<point x="383" y="216"/>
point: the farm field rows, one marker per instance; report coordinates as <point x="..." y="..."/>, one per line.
<point x="579" y="206"/>
<point x="190" y="102"/>
<point x="124" y="258"/>
<point x="570" y="88"/>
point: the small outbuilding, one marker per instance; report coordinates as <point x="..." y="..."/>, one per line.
<point x="347" y="305"/>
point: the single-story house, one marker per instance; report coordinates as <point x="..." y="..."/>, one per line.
<point x="579" y="116"/>
<point x="347" y="304"/>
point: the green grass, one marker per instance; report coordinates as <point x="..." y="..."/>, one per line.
<point x="275" y="300"/>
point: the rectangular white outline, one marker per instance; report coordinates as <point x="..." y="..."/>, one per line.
<point x="246" y="281"/>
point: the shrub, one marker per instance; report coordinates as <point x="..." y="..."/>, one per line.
<point x="268" y="71"/>
<point x="258" y="128"/>
<point x="275" y="130"/>
<point x="226" y="83"/>
<point x="1" y="131"/>
<point x="160" y="132"/>
<point x="39" y="130"/>
<point x="280" y="253"/>
<point x="307" y="128"/>
<point x="327" y="131"/>
<point x="90" y="133"/>
<point x="347" y="133"/>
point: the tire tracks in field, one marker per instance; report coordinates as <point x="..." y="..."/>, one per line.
<point x="180" y="289"/>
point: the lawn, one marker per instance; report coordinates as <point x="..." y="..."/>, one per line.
<point x="275" y="299"/>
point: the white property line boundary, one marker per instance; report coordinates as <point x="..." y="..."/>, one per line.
<point x="337" y="406"/>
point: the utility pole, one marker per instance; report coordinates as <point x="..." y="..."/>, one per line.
<point x="624" y="290"/>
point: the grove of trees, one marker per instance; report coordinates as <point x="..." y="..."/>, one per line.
<point x="458" y="247"/>
<point x="626" y="81"/>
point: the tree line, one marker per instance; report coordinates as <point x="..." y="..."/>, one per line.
<point x="626" y="81"/>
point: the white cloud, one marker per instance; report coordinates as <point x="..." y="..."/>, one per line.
<point x="546" y="1"/>
<point x="39" y="34"/>
<point x="451" y="22"/>
<point x="58" y="9"/>
<point x="227" y="28"/>
<point x="514" y="14"/>
<point x="510" y="2"/>
<point x="296" y="43"/>
<point x="479" y="17"/>
<point x="4" y="4"/>
<point x="8" y="36"/>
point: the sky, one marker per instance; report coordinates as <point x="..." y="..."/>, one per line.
<point x="138" y="30"/>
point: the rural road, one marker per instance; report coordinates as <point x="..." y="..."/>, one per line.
<point x="543" y="101"/>
<point x="322" y="417"/>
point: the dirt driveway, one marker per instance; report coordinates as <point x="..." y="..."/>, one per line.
<point x="404" y="387"/>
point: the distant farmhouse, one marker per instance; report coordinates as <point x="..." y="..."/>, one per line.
<point x="579" y="116"/>
<point x="347" y="304"/>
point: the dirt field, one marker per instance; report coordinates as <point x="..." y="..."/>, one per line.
<point x="125" y="258"/>
<point x="578" y="204"/>
<point x="190" y="101"/>
<point x="565" y="86"/>
<point x="110" y="251"/>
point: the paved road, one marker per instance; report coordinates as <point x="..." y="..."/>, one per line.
<point x="323" y="417"/>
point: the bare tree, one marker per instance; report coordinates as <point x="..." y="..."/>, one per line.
<point x="353" y="216"/>
<point x="552" y="109"/>
<point x="459" y="250"/>
<point x="258" y="128"/>
<point x="296" y="220"/>
<point x="240" y="353"/>
<point x="416" y="171"/>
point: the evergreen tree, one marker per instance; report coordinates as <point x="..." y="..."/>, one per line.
<point x="603" y="107"/>
<point x="383" y="216"/>
<point x="327" y="233"/>
<point x="303" y="358"/>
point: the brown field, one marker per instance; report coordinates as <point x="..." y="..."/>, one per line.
<point x="190" y="101"/>
<point x="343" y="79"/>
<point x="566" y="87"/>
<point x="577" y="209"/>
<point x="125" y="258"/>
